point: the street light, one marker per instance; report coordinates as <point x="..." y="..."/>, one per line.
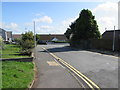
<point x="34" y="35"/>
<point x="34" y="39"/>
<point x="113" y="48"/>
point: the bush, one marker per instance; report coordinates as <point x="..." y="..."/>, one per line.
<point x="1" y="43"/>
<point x="27" y="43"/>
<point x="18" y="41"/>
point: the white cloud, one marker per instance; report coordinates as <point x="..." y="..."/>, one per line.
<point x="40" y="14"/>
<point x="60" y="28"/>
<point x="11" y="26"/>
<point x="65" y="24"/>
<point x="46" y="27"/>
<point x="28" y="24"/>
<point x="68" y="21"/>
<point x="106" y="7"/>
<point x="106" y="15"/>
<point x="44" y="19"/>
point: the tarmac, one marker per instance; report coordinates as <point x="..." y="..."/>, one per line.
<point x="51" y="74"/>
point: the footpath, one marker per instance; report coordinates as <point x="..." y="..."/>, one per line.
<point x="51" y="74"/>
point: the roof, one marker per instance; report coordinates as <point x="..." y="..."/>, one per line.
<point x="2" y="29"/>
<point x="45" y="37"/>
<point x="51" y="36"/>
<point x="109" y="34"/>
<point x="16" y="36"/>
<point x="54" y="39"/>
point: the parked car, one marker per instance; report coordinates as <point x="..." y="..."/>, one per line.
<point x="42" y="42"/>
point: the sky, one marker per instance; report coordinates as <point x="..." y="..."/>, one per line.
<point x="55" y="17"/>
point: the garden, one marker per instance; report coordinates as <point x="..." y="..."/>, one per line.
<point x="17" y="74"/>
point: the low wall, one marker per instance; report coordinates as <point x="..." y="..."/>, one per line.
<point x="29" y="59"/>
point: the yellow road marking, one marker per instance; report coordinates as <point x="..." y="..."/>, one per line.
<point x="78" y="73"/>
<point x="52" y="63"/>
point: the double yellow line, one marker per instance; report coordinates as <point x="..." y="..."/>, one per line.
<point x="78" y="73"/>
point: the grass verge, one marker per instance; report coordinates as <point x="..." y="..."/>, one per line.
<point x="12" y="51"/>
<point x="16" y="74"/>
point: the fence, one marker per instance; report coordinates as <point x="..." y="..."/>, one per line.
<point x="101" y="44"/>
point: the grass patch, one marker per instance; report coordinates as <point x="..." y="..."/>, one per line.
<point x="12" y="51"/>
<point x="16" y="74"/>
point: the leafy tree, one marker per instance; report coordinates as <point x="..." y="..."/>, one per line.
<point x="37" y="37"/>
<point x="28" y="36"/>
<point x="70" y="30"/>
<point x="85" y="27"/>
<point x="27" y="42"/>
<point x="18" y="41"/>
<point x="67" y="33"/>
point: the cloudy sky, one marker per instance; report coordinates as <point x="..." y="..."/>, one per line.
<point x="55" y="17"/>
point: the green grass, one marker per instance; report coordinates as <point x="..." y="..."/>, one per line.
<point x="16" y="74"/>
<point x="11" y="51"/>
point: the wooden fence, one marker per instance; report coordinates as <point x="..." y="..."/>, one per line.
<point x="101" y="44"/>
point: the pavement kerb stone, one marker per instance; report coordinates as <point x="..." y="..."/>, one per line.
<point x="35" y="73"/>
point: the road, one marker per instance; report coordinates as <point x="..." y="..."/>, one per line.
<point x="101" y="69"/>
<point x="50" y="74"/>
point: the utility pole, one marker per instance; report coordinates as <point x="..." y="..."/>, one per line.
<point x="34" y="35"/>
<point x="34" y="40"/>
<point x="113" y="48"/>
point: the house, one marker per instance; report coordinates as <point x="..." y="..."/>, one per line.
<point x="16" y="36"/>
<point x="49" y="37"/>
<point x="6" y="35"/>
<point x="3" y="34"/>
<point x="9" y="36"/>
<point x="109" y="34"/>
<point x="46" y="37"/>
<point x="108" y="37"/>
<point x="55" y="39"/>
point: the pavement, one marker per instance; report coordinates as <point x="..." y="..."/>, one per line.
<point x="51" y="74"/>
<point x="100" y="68"/>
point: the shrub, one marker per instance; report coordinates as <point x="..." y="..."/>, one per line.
<point x="1" y="43"/>
<point x="27" y="43"/>
<point x="18" y="41"/>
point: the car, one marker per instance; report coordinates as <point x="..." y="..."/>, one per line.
<point x="42" y="42"/>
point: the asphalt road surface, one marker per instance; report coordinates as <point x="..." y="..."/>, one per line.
<point x="101" y="69"/>
<point x="50" y="74"/>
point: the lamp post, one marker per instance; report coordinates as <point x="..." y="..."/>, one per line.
<point x="113" y="47"/>
<point x="34" y="35"/>
<point x="34" y="40"/>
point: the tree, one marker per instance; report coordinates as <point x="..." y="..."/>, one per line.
<point x="37" y="37"/>
<point x="18" y="41"/>
<point x="28" y="36"/>
<point x="70" y="30"/>
<point x="85" y="27"/>
<point x="27" y="42"/>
